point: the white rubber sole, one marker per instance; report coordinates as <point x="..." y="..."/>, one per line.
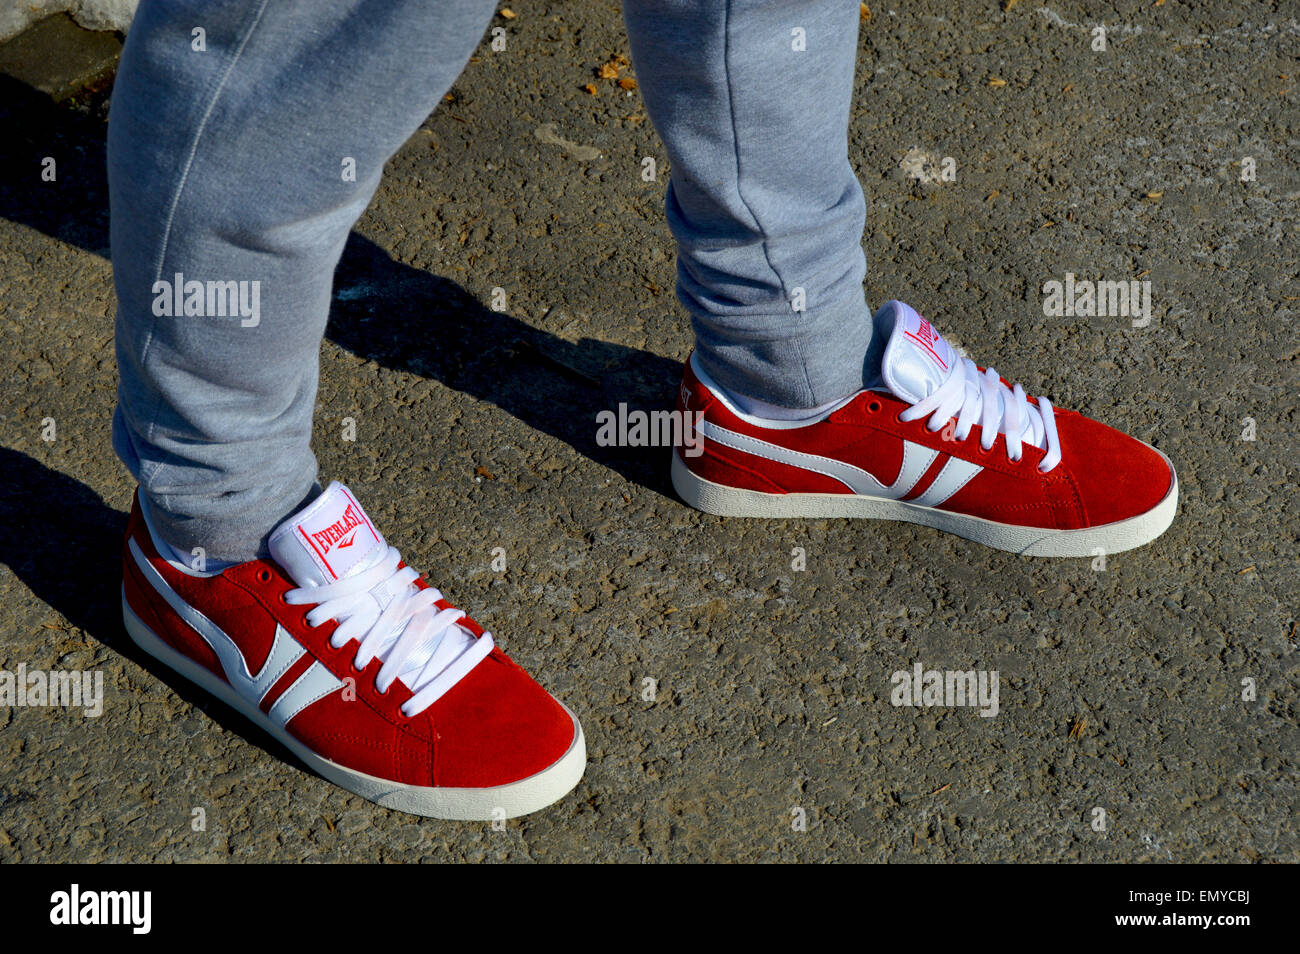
<point x="724" y="501"/>
<point x="461" y="804"/>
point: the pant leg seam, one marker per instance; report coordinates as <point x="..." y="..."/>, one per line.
<point x="735" y="145"/>
<point x="171" y="213"/>
<point x="735" y="149"/>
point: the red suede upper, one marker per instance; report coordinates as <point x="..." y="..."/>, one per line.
<point x="1103" y="476"/>
<point x="494" y="727"/>
<point x="1117" y="475"/>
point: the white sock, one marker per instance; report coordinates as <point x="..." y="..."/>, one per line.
<point x="169" y="552"/>
<point x="771" y="412"/>
<point x="210" y="564"/>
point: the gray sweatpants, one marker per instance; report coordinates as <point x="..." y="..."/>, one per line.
<point x="225" y="170"/>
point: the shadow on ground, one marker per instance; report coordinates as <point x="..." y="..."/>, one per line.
<point x="74" y="566"/>
<point x="426" y="325"/>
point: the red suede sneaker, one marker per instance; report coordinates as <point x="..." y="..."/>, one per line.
<point x="360" y="668"/>
<point x="943" y="443"/>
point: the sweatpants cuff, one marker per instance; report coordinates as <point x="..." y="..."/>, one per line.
<point x="795" y="360"/>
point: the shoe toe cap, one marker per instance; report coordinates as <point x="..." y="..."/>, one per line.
<point x="498" y="726"/>
<point x="1118" y="476"/>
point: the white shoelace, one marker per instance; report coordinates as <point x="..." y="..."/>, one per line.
<point x="410" y="612"/>
<point x="970" y="395"/>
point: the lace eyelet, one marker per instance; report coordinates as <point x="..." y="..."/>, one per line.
<point x="264" y="576"/>
<point x="306" y="622"/>
<point x="874" y="407"/>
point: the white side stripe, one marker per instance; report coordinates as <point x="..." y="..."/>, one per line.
<point x="916" y="461"/>
<point x="285" y="651"/>
<point x="312" y="686"/>
<point x="951" y="478"/>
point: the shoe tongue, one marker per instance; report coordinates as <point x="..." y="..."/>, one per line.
<point x="332" y="538"/>
<point x="917" y="360"/>
<point x="328" y="540"/>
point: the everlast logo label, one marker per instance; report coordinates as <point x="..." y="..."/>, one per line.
<point x="928" y="339"/>
<point x="336" y="532"/>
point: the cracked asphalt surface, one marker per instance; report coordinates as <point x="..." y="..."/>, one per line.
<point x="1121" y="688"/>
